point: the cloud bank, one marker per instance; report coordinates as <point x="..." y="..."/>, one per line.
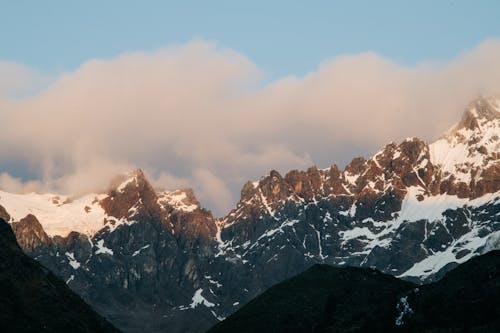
<point x="198" y="115"/>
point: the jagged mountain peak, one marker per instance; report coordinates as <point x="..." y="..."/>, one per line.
<point x="412" y="152"/>
<point x="130" y="195"/>
<point x="270" y="188"/>
<point x="30" y="233"/>
<point x="181" y="199"/>
<point x="306" y="184"/>
<point x="132" y="179"/>
<point x="468" y="153"/>
<point x="479" y="114"/>
<point x="248" y="190"/>
<point x="356" y="166"/>
<point x="465" y="165"/>
<point x="483" y="108"/>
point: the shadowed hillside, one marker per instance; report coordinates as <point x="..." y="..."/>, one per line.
<point x="331" y="299"/>
<point x="32" y="299"/>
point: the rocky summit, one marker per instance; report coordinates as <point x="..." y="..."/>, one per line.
<point x="154" y="260"/>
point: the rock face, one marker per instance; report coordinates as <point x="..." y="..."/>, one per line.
<point x="332" y="299"/>
<point x="30" y="233"/>
<point x="153" y="260"/>
<point x="32" y="299"/>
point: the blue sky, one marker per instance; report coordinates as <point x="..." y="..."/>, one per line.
<point x="281" y="37"/>
<point x="89" y="89"/>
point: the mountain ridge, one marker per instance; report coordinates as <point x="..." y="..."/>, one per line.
<point x="410" y="210"/>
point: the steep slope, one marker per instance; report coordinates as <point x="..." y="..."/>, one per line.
<point x="330" y="299"/>
<point x="153" y="260"/>
<point x="32" y="299"/>
<point x="468" y="153"/>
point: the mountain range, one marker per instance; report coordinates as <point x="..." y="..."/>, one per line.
<point x="155" y="260"/>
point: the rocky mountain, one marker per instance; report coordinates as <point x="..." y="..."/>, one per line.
<point x="32" y="299"/>
<point x="331" y="299"/>
<point x="153" y="260"/>
<point x="133" y="253"/>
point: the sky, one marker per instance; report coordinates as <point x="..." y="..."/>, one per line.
<point x="281" y="37"/>
<point x="211" y="94"/>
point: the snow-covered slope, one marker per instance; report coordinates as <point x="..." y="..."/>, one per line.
<point x="88" y="214"/>
<point x="181" y="200"/>
<point x="472" y="144"/>
<point x="59" y="215"/>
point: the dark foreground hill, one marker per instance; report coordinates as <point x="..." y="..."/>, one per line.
<point x="332" y="299"/>
<point x="467" y="299"/>
<point x="32" y="299"/>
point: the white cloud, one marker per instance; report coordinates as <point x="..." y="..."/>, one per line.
<point x="212" y="190"/>
<point x="13" y="184"/>
<point x="17" y="80"/>
<point x="195" y="115"/>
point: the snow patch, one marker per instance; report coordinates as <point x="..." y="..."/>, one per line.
<point x="178" y="199"/>
<point x="219" y="318"/>
<point x="404" y="310"/>
<point x="125" y="183"/>
<point x="214" y="282"/>
<point x="199" y="299"/>
<point x="139" y="251"/>
<point x="72" y="261"/>
<point x="266" y="205"/>
<point x="432" y="208"/>
<point x="492" y="243"/>
<point x="434" y="263"/>
<point x="58" y="214"/>
<point x="287" y="223"/>
<point x="71" y="278"/>
<point x="101" y="249"/>
<point x="113" y="224"/>
<point x="351" y="179"/>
